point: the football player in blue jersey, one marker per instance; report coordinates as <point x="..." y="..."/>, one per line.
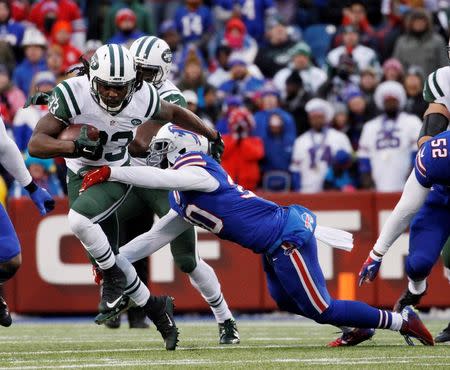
<point x="10" y="256"/>
<point x="204" y="195"/>
<point x="425" y="201"/>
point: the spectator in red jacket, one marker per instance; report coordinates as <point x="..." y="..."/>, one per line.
<point x="61" y="33"/>
<point x="242" y="150"/>
<point x="45" y="13"/>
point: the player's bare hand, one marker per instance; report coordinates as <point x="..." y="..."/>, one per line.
<point x="95" y="177"/>
<point x="369" y="269"/>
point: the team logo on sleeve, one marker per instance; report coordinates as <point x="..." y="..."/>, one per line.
<point x="167" y="56"/>
<point x="309" y="221"/>
<point x="182" y="132"/>
<point x="136" y="122"/>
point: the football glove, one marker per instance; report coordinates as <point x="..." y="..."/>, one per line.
<point x="216" y="148"/>
<point x="95" y="177"/>
<point x="85" y="147"/>
<point x="40" y="98"/>
<point x="41" y="198"/>
<point x="369" y="269"/>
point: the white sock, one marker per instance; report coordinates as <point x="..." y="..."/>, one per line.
<point x="417" y="287"/>
<point x="93" y="239"/>
<point x="397" y="321"/>
<point x="135" y="289"/>
<point x="204" y="279"/>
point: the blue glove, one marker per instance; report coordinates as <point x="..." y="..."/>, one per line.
<point x="369" y="269"/>
<point x="43" y="200"/>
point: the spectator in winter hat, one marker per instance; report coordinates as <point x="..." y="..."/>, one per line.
<point x="388" y="142"/>
<point x="392" y="70"/>
<point x="34" y="45"/>
<point x="300" y="62"/>
<point x="61" y="33"/>
<point x="339" y="175"/>
<point x="243" y="46"/>
<point x="10" y="31"/>
<point x="126" y="28"/>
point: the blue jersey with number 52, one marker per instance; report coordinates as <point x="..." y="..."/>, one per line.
<point x="230" y="211"/>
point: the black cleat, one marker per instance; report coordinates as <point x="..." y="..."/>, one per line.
<point x="443" y="336"/>
<point x="123" y="306"/>
<point x="228" y="332"/>
<point x="114" y="283"/>
<point x="408" y="299"/>
<point x="113" y="323"/>
<point x="160" y="311"/>
<point x="5" y="317"/>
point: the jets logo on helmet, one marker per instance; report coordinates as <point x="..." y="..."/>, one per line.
<point x="153" y="58"/>
<point x="112" y="74"/>
<point x="173" y="141"/>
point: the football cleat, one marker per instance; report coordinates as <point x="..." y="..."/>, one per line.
<point x="114" y="283"/>
<point x="352" y="338"/>
<point x="408" y="299"/>
<point x="443" y="336"/>
<point x="228" y="332"/>
<point x="413" y="327"/>
<point x="5" y="316"/>
<point x="113" y="323"/>
<point x="160" y="311"/>
<point x="123" y="306"/>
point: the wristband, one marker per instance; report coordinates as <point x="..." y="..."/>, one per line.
<point x="31" y="187"/>
<point x="374" y="256"/>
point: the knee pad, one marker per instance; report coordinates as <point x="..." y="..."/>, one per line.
<point x="418" y="268"/>
<point x="186" y="263"/>
<point x="77" y="222"/>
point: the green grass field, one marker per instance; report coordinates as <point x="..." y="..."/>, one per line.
<point x="264" y="345"/>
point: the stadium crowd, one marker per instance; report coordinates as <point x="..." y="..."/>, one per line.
<point x="309" y="95"/>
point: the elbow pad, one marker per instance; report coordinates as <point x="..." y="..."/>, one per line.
<point x="433" y="124"/>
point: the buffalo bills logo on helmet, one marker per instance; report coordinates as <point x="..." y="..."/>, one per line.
<point x="309" y="221"/>
<point x="182" y="132"/>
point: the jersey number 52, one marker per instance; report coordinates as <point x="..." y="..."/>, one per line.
<point x="439" y="148"/>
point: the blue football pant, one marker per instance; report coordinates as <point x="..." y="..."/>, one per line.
<point x="9" y="243"/>
<point x="430" y="229"/>
<point x="296" y="282"/>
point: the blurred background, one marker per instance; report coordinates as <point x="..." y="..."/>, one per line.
<point x="296" y="89"/>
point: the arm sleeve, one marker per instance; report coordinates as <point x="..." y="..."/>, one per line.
<point x="412" y="199"/>
<point x="162" y="233"/>
<point x="183" y="179"/>
<point x="11" y="158"/>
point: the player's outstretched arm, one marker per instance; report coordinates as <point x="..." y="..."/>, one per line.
<point x="12" y="160"/>
<point x="163" y="232"/>
<point x="185" y="118"/>
<point x="413" y="197"/>
<point x="435" y="121"/>
<point x="44" y="142"/>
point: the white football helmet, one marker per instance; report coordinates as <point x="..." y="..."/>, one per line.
<point x="153" y="57"/>
<point x="112" y="67"/>
<point x="173" y="141"/>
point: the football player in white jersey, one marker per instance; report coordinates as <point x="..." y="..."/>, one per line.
<point x="387" y="145"/>
<point x="314" y="149"/>
<point x="113" y="98"/>
<point x="153" y="59"/>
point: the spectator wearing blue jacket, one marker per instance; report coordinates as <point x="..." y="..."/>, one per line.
<point x="34" y="45"/>
<point x="277" y="129"/>
<point x="10" y="31"/>
<point x="241" y="82"/>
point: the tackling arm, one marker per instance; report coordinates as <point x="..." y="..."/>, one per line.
<point x="11" y="158"/>
<point x="412" y="199"/>
<point x="186" y="119"/>
<point x="162" y="233"/>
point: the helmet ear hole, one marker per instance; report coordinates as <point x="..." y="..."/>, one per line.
<point x="182" y="151"/>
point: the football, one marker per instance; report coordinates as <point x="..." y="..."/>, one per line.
<point x="73" y="131"/>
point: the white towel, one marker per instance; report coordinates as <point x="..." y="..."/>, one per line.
<point x="334" y="238"/>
